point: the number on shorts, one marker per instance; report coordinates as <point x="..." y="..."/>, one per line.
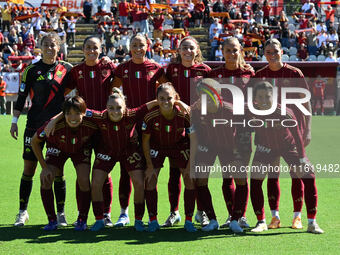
<point x="153" y="153"/>
<point x="134" y="157"/>
<point x="186" y="153"/>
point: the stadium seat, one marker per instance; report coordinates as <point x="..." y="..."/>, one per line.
<point x="312" y="58"/>
<point x="285" y="50"/>
<point x="264" y="58"/>
<point x="336" y="19"/>
<point x="336" y="25"/>
<point x="291" y="27"/>
<point x="285" y="58"/>
<point x="321" y="58"/>
<point x="293" y="58"/>
<point x="292" y="51"/>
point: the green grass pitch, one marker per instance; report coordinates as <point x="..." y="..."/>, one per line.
<point x="31" y="239"/>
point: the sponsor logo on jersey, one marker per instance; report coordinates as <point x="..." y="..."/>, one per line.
<point x="59" y="74"/>
<point x="52" y="151"/>
<point x="22" y="87"/>
<point x="41" y="78"/>
<point x="263" y="149"/>
<point x="103" y="157"/>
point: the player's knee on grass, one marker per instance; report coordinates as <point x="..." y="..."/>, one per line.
<point x="83" y="182"/>
<point x="46" y="183"/>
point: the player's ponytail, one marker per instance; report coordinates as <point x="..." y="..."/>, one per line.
<point x="116" y="94"/>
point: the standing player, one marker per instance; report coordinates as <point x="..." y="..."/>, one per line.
<point x="275" y="141"/>
<point x="236" y="72"/>
<point x="119" y="143"/>
<point x="71" y="139"/>
<point x="165" y="134"/>
<point x="210" y="142"/>
<point x="319" y="86"/>
<point x="92" y="80"/>
<point x="44" y="82"/>
<point x="183" y="74"/>
<point x="283" y="75"/>
<point x="138" y="78"/>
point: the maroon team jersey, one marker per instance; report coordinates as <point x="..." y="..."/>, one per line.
<point x="139" y="81"/>
<point x="238" y="77"/>
<point x="117" y="137"/>
<point x="93" y="83"/>
<point x="166" y="134"/>
<point x="220" y="136"/>
<point x="181" y="78"/>
<point x="287" y="76"/>
<point x="69" y="140"/>
<point x="276" y="137"/>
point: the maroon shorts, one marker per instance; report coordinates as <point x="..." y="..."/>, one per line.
<point x="207" y="156"/>
<point x="178" y="156"/>
<point x="267" y="156"/>
<point x="57" y="158"/>
<point x="132" y="160"/>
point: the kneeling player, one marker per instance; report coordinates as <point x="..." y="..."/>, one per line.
<point x="165" y="134"/>
<point x="273" y="141"/>
<point x="70" y="140"/>
<point x="118" y="143"/>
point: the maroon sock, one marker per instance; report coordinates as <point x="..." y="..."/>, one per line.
<point x="151" y="198"/>
<point x="273" y="192"/>
<point x="241" y="194"/>
<point x="297" y="194"/>
<point x="174" y="188"/>
<point x="228" y="189"/>
<point x="204" y="198"/>
<point x="47" y="198"/>
<point x="139" y="211"/>
<point x="257" y="199"/>
<point x="84" y="204"/>
<point x="98" y="209"/>
<point x="124" y="188"/>
<point x="189" y="202"/>
<point x="311" y="196"/>
<point x="107" y="194"/>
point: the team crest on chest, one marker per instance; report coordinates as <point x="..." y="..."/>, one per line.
<point x="80" y="75"/>
<point x="219" y="76"/>
<point x="106" y="72"/>
<point x="245" y="79"/>
<point x="151" y="74"/>
<point x="62" y="139"/>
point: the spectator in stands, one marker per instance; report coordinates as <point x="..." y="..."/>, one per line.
<point x="330" y="57"/>
<point x="54" y="20"/>
<point x="6" y="17"/>
<point x="306" y="6"/>
<point x="144" y="22"/>
<point x="71" y="30"/>
<point x="214" y="42"/>
<point x="120" y="54"/>
<point x="2" y="96"/>
<point x="258" y="16"/>
<point x="266" y="12"/>
<point x="312" y="43"/>
<point x="285" y="35"/>
<point x="219" y="6"/>
<point x="158" y="25"/>
<point x="123" y="9"/>
<point x="292" y="39"/>
<point x="330" y="12"/>
<point x="111" y="52"/>
<point x="321" y="26"/>
<point x="302" y="53"/>
<point x="214" y="25"/>
<point x="219" y="53"/>
<point x="198" y="13"/>
<point x="322" y="37"/>
<point x="333" y="37"/>
<point x="87" y="10"/>
<point x="13" y="36"/>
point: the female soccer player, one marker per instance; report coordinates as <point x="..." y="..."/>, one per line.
<point x="274" y="141"/>
<point x="283" y="75"/>
<point x="44" y="81"/>
<point x="210" y="141"/>
<point x="138" y="78"/>
<point x="119" y="143"/>
<point x="71" y="139"/>
<point x="183" y="74"/>
<point x="236" y="72"/>
<point x="92" y="80"/>
<point x="165" y="134"/>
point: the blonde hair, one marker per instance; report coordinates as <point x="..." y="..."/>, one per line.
<point x="240" y="60"/>
<point x="198" y="58"/>
<point x="273" y="42"/>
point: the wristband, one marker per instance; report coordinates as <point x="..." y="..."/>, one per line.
<point x="15" y="120"/>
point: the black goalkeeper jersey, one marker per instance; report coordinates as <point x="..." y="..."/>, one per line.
<point x="45" y="84"/>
